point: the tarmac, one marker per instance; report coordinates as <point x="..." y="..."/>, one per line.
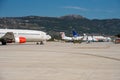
<point x="60" y="61"/>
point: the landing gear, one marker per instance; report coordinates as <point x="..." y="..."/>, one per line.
<point x="37" y="43"/>
<point x="3" y="42"/>
<point x="41" y="43"/>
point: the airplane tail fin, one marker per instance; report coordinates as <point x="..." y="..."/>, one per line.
<point x="62" y="34"/>
<point x="75" y="34"/>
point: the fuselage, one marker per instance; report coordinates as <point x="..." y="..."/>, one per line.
<point x="30" y="35"/>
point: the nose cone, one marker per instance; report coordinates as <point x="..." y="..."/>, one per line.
<point x="48" y="37"/>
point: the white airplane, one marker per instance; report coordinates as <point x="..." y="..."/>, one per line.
<point x="22" y="36"/>
<point x="74" y="39"/>
<point x="65" y="37"/>
<point x="94" y="38"/>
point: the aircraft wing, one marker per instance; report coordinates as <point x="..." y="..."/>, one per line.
<point x="8" y="37"/>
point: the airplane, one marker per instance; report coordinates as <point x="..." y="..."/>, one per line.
<point x="74" y="39"/>
<point x="22" y="36"/>
<point x="66" y="38"/>
<point x="94" y="38"/>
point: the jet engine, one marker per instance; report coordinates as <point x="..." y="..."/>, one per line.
<point x="20" y="39"/>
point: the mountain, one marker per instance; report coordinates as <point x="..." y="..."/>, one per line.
<point x="54" y="25"/>
<point x="72" y="16"/>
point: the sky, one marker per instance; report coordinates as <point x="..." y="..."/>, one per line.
<point x="91" y="9"/>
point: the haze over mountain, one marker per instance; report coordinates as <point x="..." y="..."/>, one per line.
<point x="54" y="25"/>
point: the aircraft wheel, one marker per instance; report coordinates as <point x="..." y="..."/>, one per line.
<point x="4" y="42"/>
<point x="41" y="43"/>
<point x="37" y="43"/>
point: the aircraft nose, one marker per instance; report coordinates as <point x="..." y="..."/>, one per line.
<point x="48" y="37"/>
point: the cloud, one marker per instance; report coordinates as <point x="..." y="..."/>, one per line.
<point x="88" y="10"/>
<point x="75" y="7"/>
